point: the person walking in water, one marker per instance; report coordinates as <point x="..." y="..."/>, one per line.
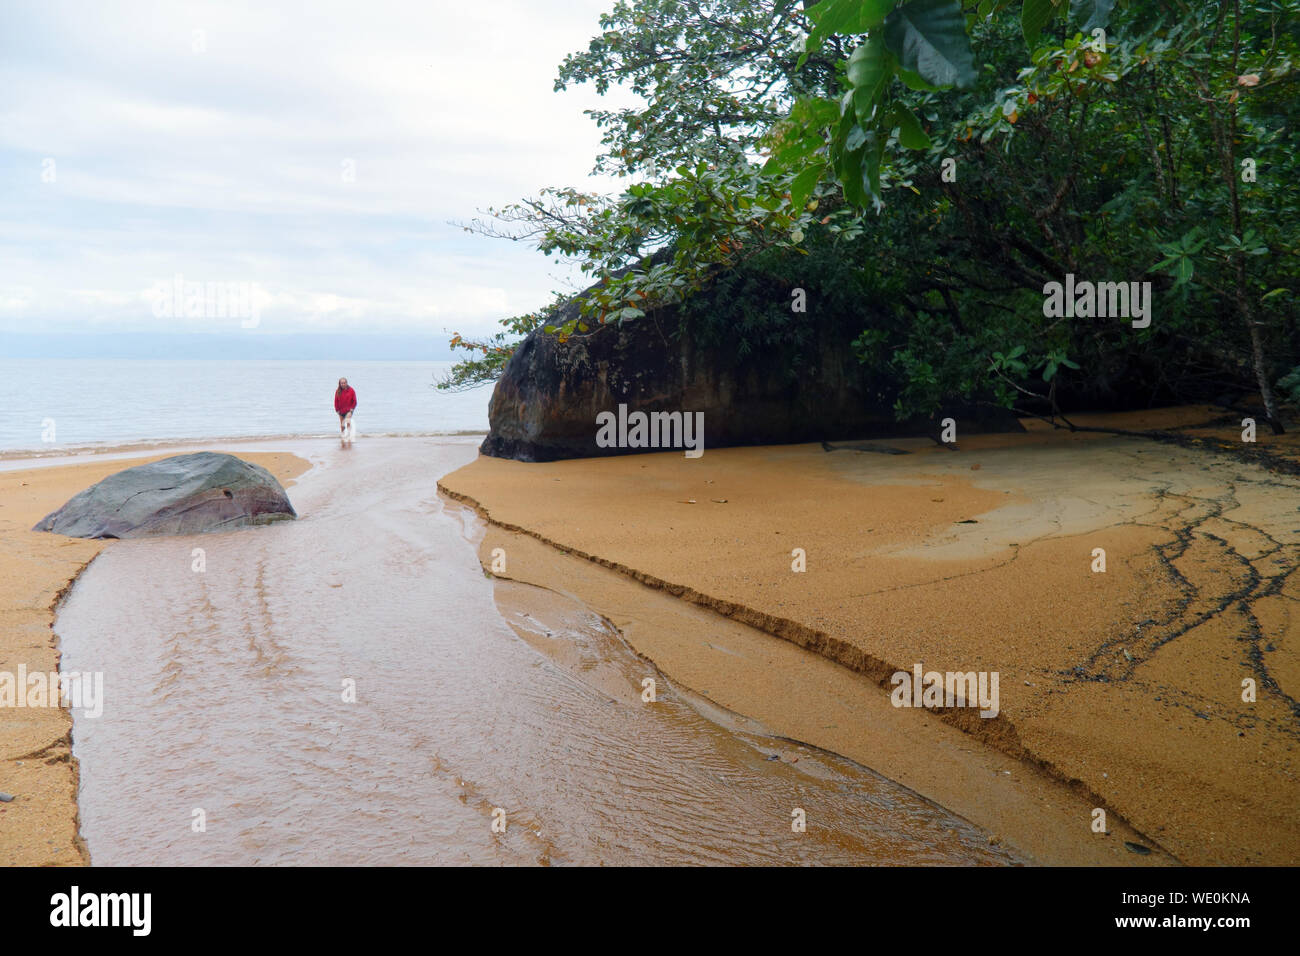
<point x="345" y="403"/>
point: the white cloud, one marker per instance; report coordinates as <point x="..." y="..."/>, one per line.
<point x="229" y="164"/>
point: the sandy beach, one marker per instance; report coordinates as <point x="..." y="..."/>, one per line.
<point x="1121" y="690"/>
<point x="40" y="826"/>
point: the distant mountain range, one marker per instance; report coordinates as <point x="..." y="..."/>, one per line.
<point x="227" y="346"/>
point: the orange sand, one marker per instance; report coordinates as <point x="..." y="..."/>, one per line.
<point x="1120" y="690"/>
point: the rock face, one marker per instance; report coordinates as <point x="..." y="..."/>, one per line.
<point x="545" y="404"/>
<point x="185" y="494"/>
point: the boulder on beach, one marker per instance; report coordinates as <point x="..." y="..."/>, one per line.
<point x="547" y="400"/>
<point x="184" y="494"/>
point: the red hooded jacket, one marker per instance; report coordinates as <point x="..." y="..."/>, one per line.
<point x="345" y="400"/>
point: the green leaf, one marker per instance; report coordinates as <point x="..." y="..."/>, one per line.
<point x="870" y="69"/>
<point x="873" y="154"/>
<point x="869" y="66"/>
<point x="929" y="38"/>
<point x="804" y="184"/>
<point x="864" y="104"/>
<point x="872" y="13"/>
<point x="913" y="81"/>
<point x="848" y="162"/>
<point x="1035" y="15"/>
<point x="794" y="153"/>
<point x="815" y="112"/>
<point x="910" y="133"/>
<point x="845" y="17"/>
<point x="1096" y="12"/>
<point x="851" y="177"/>
<point x="856" y="138"/>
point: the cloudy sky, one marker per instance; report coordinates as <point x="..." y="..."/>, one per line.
<point x="314" y="151"/>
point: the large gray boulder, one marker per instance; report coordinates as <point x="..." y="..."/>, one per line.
<point x="546" y="402"/>
<point x="185" y="494"/>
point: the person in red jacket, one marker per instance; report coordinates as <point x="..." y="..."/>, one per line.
<point x="345" y="403"/>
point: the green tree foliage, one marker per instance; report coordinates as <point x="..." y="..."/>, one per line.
<point x="944" y="161"/>
<point x="1109" y="156"/>
<point x="714" y="77"/>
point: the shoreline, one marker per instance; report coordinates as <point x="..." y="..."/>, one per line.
<point x="41" y="826"/>
<point x="1117" y="686"/>
<point x="93" y="451"/>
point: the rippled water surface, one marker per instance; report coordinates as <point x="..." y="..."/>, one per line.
<point x="225" y="694"/>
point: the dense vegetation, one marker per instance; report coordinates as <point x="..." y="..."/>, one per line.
<point x="939" y="162"/>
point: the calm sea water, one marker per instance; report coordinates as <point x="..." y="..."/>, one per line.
<point x="50" y="404"/>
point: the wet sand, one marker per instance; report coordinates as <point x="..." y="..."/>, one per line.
<point x="40" y="826"/>
<point x="1120" y="690"/>
<point x="469" y="699"/>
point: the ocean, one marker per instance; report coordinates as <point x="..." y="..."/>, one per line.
<point x="52" y="405"/>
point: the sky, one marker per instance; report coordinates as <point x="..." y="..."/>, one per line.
<point x="299" y="166"/>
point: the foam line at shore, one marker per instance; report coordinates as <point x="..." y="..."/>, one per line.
<point x="31" y="457"/>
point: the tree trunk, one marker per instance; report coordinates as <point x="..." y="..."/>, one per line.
<point x="1245" y="308"/>
<point x="1257" y="356"/>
